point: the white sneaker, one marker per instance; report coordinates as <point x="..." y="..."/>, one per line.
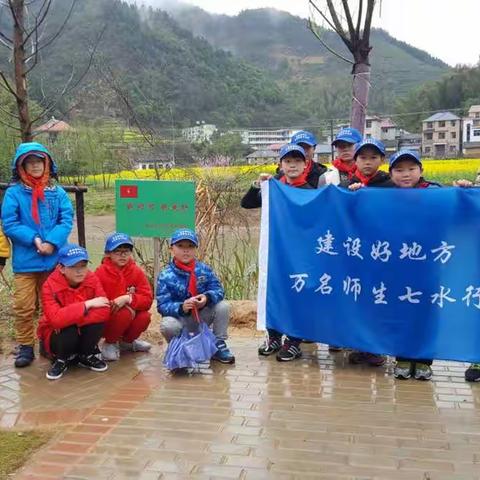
<point x="110" y="351"/>
<point x="136" y="346"/>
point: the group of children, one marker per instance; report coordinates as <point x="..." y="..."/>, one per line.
<point x="357" y="165"/>
<point x="79" y="307"/>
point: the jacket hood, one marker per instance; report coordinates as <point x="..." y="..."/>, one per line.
<point x="28" y="147"/>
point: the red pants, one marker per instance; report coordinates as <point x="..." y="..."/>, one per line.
<point x="122" y="325"/>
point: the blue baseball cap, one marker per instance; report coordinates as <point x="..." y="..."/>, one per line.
<point x="291" y="147"/>
<point x="370" y="142"/>
<point x="349" y="135"/>
<point x="184" y="234"/>
<point x="114" y="240"/>
<point x="304" y="137"/>
<point x="405" y="155"/>
<point x="70" y="254"/>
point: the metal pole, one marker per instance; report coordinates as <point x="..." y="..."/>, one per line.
<point x="331" y="139"/>
<point x="80" y="211"/>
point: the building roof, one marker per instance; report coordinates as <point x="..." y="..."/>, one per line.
<point x="53" y="126"/>
<point x="442" y="116"/>
<point x="387" y="123"/>
<point x="474" y="109"/>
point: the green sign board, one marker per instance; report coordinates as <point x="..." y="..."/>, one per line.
<point x="154" y="208"/>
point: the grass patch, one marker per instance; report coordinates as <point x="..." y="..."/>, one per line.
<point x="16" y="448"/>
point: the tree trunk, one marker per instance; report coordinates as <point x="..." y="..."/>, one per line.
<point x="361" y="87"/>
<point x="20" y="75"/>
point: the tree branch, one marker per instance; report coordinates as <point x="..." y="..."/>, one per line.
<point x="348" y="16"/>
<point x="368" y="22"/>
<point x="317" y="35"/>
<point x="6" y="85"/>
<point x="56" y="35"/>
<point x="330" y="24"/>
<point x="338" y="25"/>
<point x="359" y="19"/>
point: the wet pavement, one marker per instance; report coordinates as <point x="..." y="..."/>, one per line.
<point x="317" y="417"/>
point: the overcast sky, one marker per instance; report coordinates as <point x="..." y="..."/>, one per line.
<point x="447" y="29"/>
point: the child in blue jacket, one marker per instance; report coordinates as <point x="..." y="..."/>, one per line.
<point x="37" y="216"/>
<point x="188" y="291"/>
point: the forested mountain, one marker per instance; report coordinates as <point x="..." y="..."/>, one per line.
<point x="259" y="68"/>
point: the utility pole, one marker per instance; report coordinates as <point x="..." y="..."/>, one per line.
<point x="331" y="140"/>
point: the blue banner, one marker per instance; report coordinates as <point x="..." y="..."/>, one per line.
<point x="388" y="271"/>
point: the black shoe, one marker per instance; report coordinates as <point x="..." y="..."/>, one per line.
<point x="472" y="374"/>
<point x="58" y="368"/>
<point x="271" y="345"/>
<point x="25" y="356"/>
<point x="289" y="351"/>
<point x="92" y="362"/>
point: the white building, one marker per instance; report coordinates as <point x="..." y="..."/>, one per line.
<point x="263" y="139"/>
<point x="471" y="132"/>
<point x="202" y="132"/>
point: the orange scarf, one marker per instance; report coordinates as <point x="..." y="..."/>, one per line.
<point x="36" y="184"/>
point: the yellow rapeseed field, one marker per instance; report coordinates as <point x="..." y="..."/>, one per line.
<point x="439" y="170"/>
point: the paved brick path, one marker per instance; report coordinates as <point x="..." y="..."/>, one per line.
<point x="315" y="418"/>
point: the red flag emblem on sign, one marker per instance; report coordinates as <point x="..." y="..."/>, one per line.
<point x="128" y="191"/>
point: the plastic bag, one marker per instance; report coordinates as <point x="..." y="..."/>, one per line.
<point x="188" y="349"/>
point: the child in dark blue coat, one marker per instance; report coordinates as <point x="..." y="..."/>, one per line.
<point x="189" y="291"/>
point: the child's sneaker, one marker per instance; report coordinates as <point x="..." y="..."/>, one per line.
<point x="136" y="346"/>
<point x="271" y="346"/>
<point x="58" y="368"/>
<point x="423" y="371"/>
<point x="371" y="359"/>
<point x="110" y="351"/>
<point x="92" y="362"/>
<point x="403" y="370"/>
<point x="223" y="354"/>
<point x="472" y="374"/>
<point x="289" y="351"/>
<point x="24" y="356"/>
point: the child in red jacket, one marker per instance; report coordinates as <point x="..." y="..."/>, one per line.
<point x="130" y="295"/>
<point x="74" y="312"/>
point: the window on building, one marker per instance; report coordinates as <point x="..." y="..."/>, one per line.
<point x="428" y="136"/>
<point x="368" y="135"/>
<point x="428" y="149"/>
<point x="368" y="124"/>
<point x="453" y="123"/>
<point x="453" y="134"/>
<point x="429" y="124"/>
<point x="453" y="148"/>
<point x="441" y="124"/>
<point x="476" y="132"/>
<point x="477" y="114"/>
<point x="441" y="135"/>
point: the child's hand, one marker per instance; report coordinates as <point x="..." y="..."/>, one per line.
<point x="120" y="302"/>
<point x="200" y="301"/>
<point x="188" y="304"/>
<point x="355" y="186"/>
<point x="97" y="302"/>
<point x="463" y="183"/>
<point x="264" y="177"/>
<point x="38" y="243"/>
<point x="46" y="248"/>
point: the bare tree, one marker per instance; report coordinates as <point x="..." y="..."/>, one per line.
<point x="25" y="40"/>
<point x="353" y="27"/>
